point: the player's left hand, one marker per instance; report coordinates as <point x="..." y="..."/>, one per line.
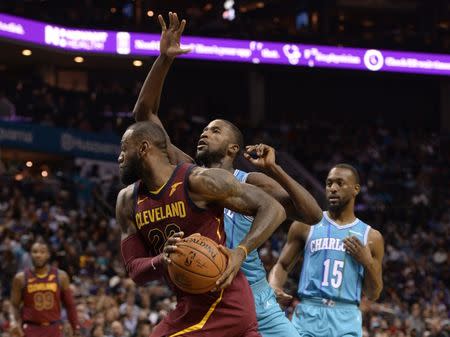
<point x="235" y="259"/>
<point x="265" y="156"/>
<point x="169" y="44"/>
<point x="358" y="251"/>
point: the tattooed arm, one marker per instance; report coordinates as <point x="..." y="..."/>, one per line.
<point x="219" y="187"/>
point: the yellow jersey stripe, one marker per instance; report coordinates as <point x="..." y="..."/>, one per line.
<point x="200" y="324"/>
<point x="159" y="189"/>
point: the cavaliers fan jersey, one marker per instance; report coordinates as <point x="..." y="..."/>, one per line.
<point x="160" y="214"/>
<point x="41" y="298"/>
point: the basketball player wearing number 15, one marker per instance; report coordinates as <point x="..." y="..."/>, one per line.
<point x="342" y="257"/>
<point x="36" y="298"/>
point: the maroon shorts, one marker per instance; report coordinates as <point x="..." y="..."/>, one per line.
<point x="34" y="330"/>
<point x="230" y="313"/>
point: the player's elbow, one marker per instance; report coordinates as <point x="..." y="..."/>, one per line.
<point x="279" y="212"/>
<point x="375" y="293"/>
<point x="314" y="217"/>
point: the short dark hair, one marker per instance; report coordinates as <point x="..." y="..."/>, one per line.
<point x="350" y="168"/>
<point x="238" y="137"/>
<point x="41" y="241"/>
<point x="151" y="132"/>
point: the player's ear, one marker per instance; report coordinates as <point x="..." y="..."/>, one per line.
<point x="144" y="148"/>
<point x="357" y="189"/>
<point x="233" y="149"/>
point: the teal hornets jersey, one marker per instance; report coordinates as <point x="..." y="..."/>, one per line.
<point x="236" y="228"/>
<point x="328" y="271"/>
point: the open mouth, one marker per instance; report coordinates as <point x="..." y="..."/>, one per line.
<point x="201" y="144"/>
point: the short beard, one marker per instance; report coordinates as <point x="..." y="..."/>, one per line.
<point x="338" y="208"/>
<point x="36" y="265"/>
<point x="208" y="159"/>
<point x="131" y="173"/>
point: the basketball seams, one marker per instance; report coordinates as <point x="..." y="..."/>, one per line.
<point x="193" y="272"/>
<point x="185" y="244"/>
<point x="196" y="255"/>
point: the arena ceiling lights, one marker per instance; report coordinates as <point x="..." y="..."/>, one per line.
<point x="212" y="49"/>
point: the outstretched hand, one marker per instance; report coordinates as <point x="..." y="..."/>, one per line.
<point x="169" y="44"/>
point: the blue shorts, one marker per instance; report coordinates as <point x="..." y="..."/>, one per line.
<point x="314" y="318"/>
<point x="272" y="322"/>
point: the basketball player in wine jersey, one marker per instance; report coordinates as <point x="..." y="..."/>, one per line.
<point x="163" y="199"/>
<point x="37" y="295"/>
<point x="220" y="143"/>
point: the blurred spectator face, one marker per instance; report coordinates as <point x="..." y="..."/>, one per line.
<point x="144" y="330"/>
<point x="117" y="329"/>
<point x="98" y="331"/>
<point x="416" y="310"/>
<point x="341" y="187"/>
<point x="39" y="255"/>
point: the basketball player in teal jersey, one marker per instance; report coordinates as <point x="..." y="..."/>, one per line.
<point x="218" y="146"/>
<point x="342" y="258"/>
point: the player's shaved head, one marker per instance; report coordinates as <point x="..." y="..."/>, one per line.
<point x="351" y="168"/>
<point x="237" y="136"/>
<point x="150" y="132"/>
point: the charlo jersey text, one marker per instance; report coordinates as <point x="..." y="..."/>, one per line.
<point x="236" y="227"/>
<point x="328" y="270"/>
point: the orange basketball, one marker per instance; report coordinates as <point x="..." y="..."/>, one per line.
<point x="197" y="264"/>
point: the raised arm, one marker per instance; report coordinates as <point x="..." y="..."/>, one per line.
<point x="290" y="254"/>
<point x="371" y="257"/>
<point x="16" y="302"/>
<point x="147" y="105"/>
<point x="219" y="187"/>
<point x="140" y="266"/>
<point x="297" y="201"/>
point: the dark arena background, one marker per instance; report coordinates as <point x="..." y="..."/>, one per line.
<point x="323" y="82"/>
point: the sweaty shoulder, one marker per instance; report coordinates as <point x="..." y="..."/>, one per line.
<point x="20" y="277"/>
<point x="210" y="181"/>
<point x="299" y="231"/>
<point x="124" y="206"/>
<point x="375" y="236"/>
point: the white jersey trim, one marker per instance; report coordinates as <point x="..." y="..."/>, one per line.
<point x="340" y="226"/>
<point x="366" y="234"/>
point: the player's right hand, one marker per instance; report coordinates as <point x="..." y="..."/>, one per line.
<point x="169" y="44"/>
<point x="171" y="246"/>
<point x="283" y="299"/>
<point x="261" y="155"/>
<point x="16" y="330"/>
<point x="235" y="259"/>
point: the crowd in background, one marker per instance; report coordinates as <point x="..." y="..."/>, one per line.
<point x="317" y="21"/>
<point x="404" y="195"/>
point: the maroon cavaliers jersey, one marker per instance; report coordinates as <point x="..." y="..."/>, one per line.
<point x="229" y="312"/>
<point x="158" y="216"/>
<point x="41" y="298"/>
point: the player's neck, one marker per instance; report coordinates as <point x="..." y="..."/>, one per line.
<point x="342" y="217"/>
<point x="41" y="271"/>
<point x="158" y="175"/>
<point x="223" y="164"/>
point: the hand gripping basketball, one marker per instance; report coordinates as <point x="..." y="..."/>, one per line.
<point x="171" y="247"/>
<point x="195" y="263"/>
